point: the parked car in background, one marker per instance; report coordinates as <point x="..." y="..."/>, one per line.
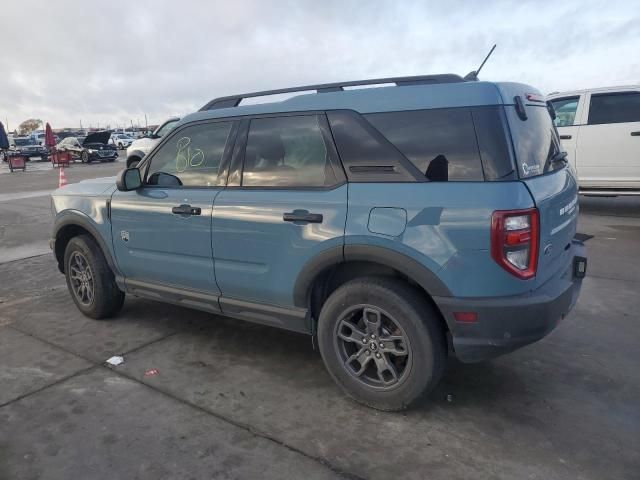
<point x="28" y="147"/>
<point x="396" y="225"/>
<point x="37" y="138"/>
<point x="94" y="146"/>
<point x="120" y="140"/>
<point x="139" y="148"/>
<point x="600" y="130"/>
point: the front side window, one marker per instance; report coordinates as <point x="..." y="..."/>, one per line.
<point x="287" y="152"/>
<point x="191" y="157"/>
<point x="441" y="143"/>
<point x="565" y="109"/>
<point x="614" y="108"/>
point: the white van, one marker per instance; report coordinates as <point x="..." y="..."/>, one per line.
<point x="600" y="130"/>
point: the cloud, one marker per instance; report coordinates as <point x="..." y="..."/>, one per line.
<point x="111" y="62"/>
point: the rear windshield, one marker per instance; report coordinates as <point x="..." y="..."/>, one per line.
<point x="535" y="140"/>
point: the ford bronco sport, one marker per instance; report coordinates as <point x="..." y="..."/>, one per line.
<point x="396" y="224"/>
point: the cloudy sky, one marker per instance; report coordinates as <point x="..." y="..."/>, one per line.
<point x="111" y="62"/>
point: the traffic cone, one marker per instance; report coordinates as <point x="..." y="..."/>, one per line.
<point x="63" y="178"/>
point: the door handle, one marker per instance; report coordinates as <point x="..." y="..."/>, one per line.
<point x="635" y="134"/>
<point x="565" y="137"/>
<point x="186" y="210"/>
<point x="302" y="216"/>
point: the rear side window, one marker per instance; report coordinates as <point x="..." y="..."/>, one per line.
<point x="614" y="108"/>
<point x="565" y="111"/>
<point x="535" y="140"/>
<point x="287" y="152"/>
<point x="441" y="143"/>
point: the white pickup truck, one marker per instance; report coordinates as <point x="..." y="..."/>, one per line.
<point x="600" y="130"/>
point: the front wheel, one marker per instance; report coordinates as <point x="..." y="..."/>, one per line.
<point x="90" y="280"/>
<point x="382" y="342"/>
<point x="85" y="157"/>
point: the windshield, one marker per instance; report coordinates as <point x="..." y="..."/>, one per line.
<point x="166" y="127"/>
<point x="21" y="142"/>
<point x="535" y="141"/>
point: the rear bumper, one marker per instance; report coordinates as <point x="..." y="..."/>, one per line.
<point x="505" y="324"/>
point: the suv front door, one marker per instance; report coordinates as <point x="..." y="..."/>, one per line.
<point x="162" y="231"/>
<point x="286" y="203"/>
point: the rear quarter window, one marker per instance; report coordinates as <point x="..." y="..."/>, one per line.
<point x="441" y="143"/>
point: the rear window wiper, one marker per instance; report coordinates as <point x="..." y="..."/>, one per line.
<point x="558" y="157"/>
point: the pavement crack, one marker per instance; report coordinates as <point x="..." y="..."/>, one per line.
<point x="49" y="385"/>
<point x="248" y="428"/>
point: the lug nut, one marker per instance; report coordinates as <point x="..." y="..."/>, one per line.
<point x="373" y="336"/>
<point x="378" y="355"/>
<point x="368" y="352"/>
<point x="364" y="340"/>
<point x="382" y="345"/>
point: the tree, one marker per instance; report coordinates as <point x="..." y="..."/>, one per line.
<point x="29" y="126"/>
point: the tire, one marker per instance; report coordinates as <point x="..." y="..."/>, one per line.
<point x="133" y="162"/>
<point x="106" y="298"/>
<point x="85" y="157"/>
<point x="120" y="147"/>
<point x="411" y="344"/>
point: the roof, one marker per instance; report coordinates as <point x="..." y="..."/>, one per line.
<point x="596" y="90"/>
<point x="380" y="99"/>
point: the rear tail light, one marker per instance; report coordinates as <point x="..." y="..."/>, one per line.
<point x="515" y="240"/>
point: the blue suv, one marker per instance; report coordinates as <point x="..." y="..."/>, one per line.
<point x="396" y="224"/>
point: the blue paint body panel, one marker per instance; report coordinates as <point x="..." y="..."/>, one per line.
<point x="258" y="256"/>
<point x="444" y="221"/>
<point x="164" y="248"/>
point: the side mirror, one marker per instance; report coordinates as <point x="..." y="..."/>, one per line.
<point x="128" y="180"/>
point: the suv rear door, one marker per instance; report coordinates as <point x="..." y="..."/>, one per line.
<point x="285" y="203"/>
<point x="609" y="144"/>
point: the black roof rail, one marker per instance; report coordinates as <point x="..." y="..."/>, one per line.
<point x="234" y="100"/>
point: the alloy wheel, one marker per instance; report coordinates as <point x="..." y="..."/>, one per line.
<point x="81" y="278"/>
<point x="373" y="347"/>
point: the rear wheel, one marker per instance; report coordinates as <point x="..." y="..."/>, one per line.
<point x="90" y="280"/>
<point x="382" y="342"/>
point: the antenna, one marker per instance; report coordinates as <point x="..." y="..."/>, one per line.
<point x="473" y="75"/>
